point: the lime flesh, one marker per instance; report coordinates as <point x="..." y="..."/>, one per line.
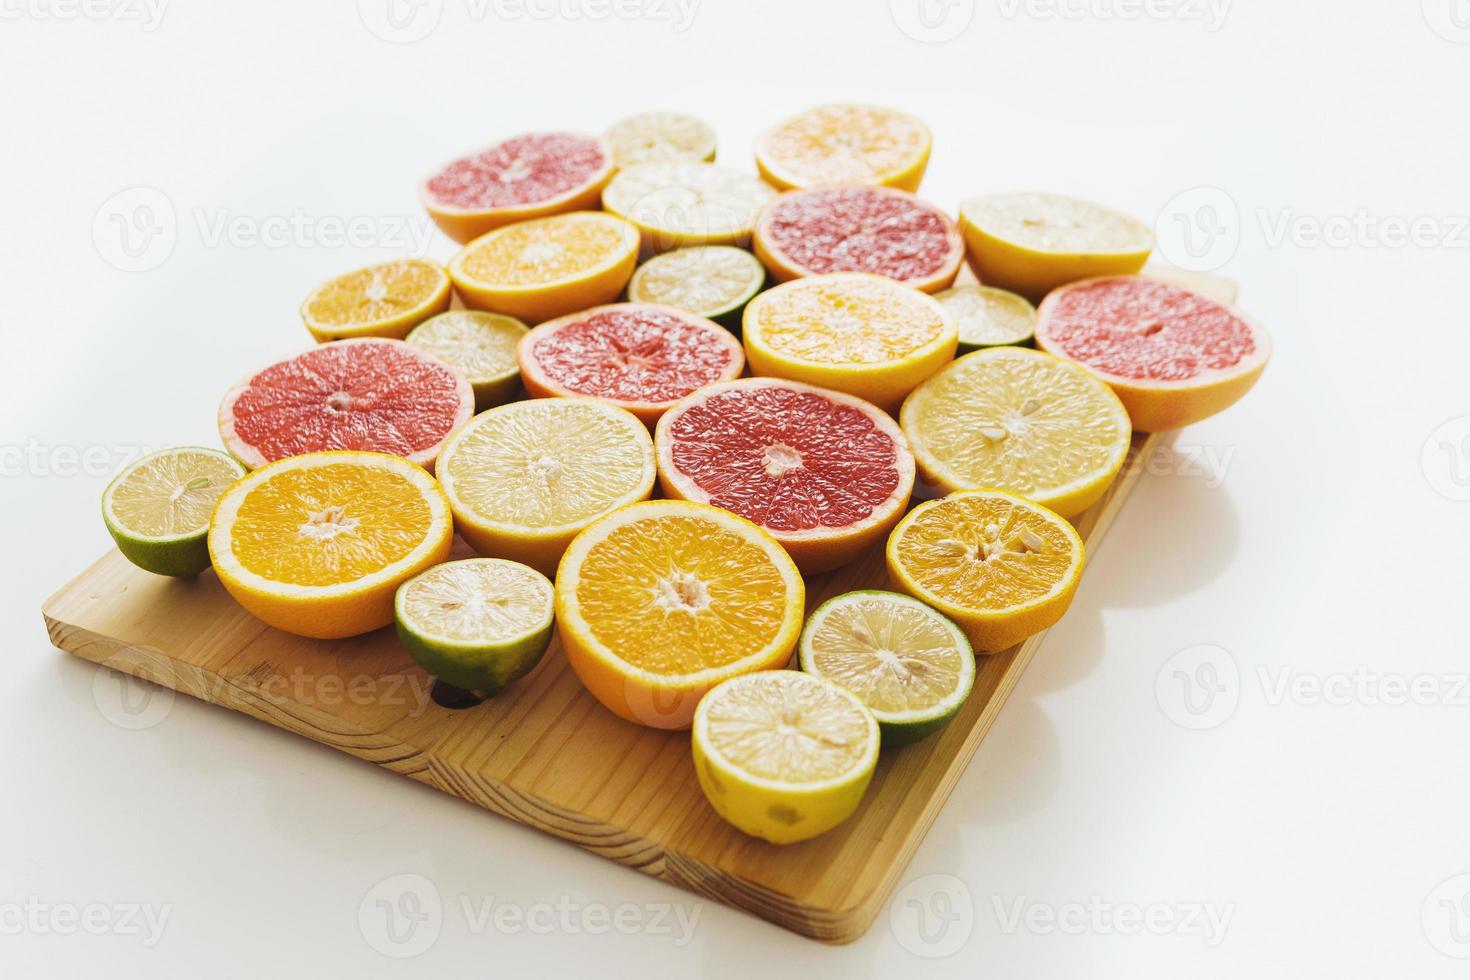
<point x="479" y="345"/>
<point x="479" y="623"/>
<point x="714" y="281"/>
<point x="989" y="317"/>
<point x="158" y="508"/>
<point x="908" y="663"/>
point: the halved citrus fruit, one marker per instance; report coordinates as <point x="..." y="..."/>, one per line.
<point x="157" y="509"/>
<point x="845" y="144"/>
<point x="713" y="281"/>
<point x="1172" y="355"/>
<point x="545" y="268"/>
<point x="527" y="176"/>
<point x="907" y="662"/>
<point x="1002" y="567"/>
<point x="1032" y="243"/>
<point x="989" y="317"/>
<point x="859" y="333"/>
<point x="384" y="300"/>
<point x="317" y="544"/>
<point x="478" y="623"/>
<point x="639" y="356"/>
<point x="783" y="755"/>
<point x="679" y="204"/>
<point x="370" y="394"/>
<point x="524" y="478"/>
<point x="481" y="346"/>
<point x="825" y="473"/>
<point x="1019" y="420"/>
<point x="657" y="602"/>
<point x="880" y="230"/>
<point x="660" y="137"/>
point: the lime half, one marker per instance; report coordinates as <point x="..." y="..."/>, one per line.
<point x="158" y="508"/>
<point x="783" y="755"/>
<point x="481" y="346"/>
<point x="478" y="623"/>
<point x="910" y="664"/>
<point x="714" y="281"/>
<point x="989" y="317"/>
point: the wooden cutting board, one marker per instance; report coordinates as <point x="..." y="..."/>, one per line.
<point x="544" y="752"/>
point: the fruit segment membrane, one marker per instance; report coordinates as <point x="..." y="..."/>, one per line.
<point x="522" y="170"/>
<point x="381" y="397"/>
<point x="674" y="595"/>
<point x="788" y="460"/>
<point x="1146" y="329"/>
<point x="790" y="729"/>
<point x="326" y="525"/>
<point x="633" y="355"/>
<point x="984" y="551"/>
<point x="860" y="229"/>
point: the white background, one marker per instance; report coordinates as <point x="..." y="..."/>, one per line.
<point x="1310" y="535"/>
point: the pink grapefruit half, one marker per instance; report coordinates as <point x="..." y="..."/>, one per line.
<point x="640" y="356"/>
<point x="1172" y="356"/>
<point x="827" y="474"/>
<point x="368" y="394"/>
<point x="526" y="176"/>
<point x="880" y="230"/>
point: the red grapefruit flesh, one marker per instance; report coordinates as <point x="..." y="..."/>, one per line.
<point x="527" y="176"/>
<point x="369" y="394"/>
<point x="827" y="474"/>
<point x="639" y="356"/>
<point x="859" y="229"/>
<point x="1173" y="357"/>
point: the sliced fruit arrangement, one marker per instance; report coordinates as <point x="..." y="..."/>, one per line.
<point x="826" y="474"/>
<point x="373" y="395"/>
<point x="661" y="137"/>
<point x="639" y="356"/>
<point x="384" y="300"/>
<point x="658" y="602"/>
<point x="712" y="281"/>
<point x="481" y="346"/>
<point x="783" y="755"/>
<point x="527" y="176"/>
<point x="1173" y="356"/>
<point x="845" y="144"/>
<point x="536" y="270"/>
<point x="880" y="230"/>
<point x="157" y="509"/>
<point x="1002" y="567"/>
<point x="524" y="478"/>
<point x="318" y="544"/>
<point x="989" y="317"/>
<point x="1014" y="419"/>
<point x="908" y="663"/>
<point x="679" y="204"/>
<point x="478" y="623"/>
<point x="862" y="334"/>
<point x="1033" y="243"/>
